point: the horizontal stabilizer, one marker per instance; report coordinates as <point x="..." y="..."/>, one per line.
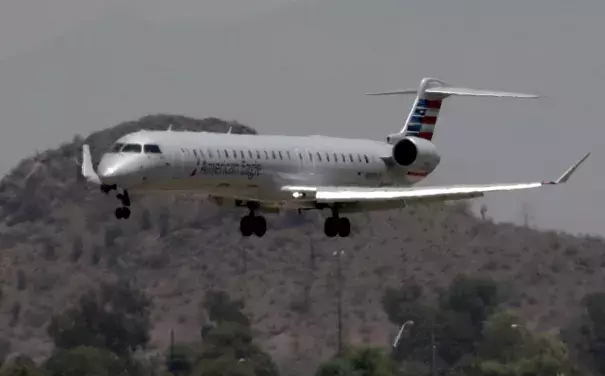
<point x="462" y="91"/>
<point x="458" y="91"/>
<point x="397" y="92"/>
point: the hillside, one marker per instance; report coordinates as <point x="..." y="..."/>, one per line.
<point x="58" y="235"/>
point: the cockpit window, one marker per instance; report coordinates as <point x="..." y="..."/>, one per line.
<point x="131" y="148"/>
<point x="153" y="149"/>
<point x="116" y="147"/>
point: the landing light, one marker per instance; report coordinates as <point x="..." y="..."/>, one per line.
<point x="298" y="194"/>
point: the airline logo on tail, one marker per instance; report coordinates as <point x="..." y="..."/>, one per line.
<point x="423" y="119"/>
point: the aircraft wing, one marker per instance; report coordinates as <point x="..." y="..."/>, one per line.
<point x="360" y="195"/>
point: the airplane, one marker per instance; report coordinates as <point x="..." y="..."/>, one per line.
<point x="269" y="173"/>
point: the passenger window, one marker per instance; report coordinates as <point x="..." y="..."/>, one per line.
<point x="335" y="157"/>
<point x="366" y="157"/>
<point x="226" y="154"/>
<point x="266" y="154"/>
<point x="194" y="152"/>
<point x="288" y="152"/>
<point x="131" y="148"/>
<point x="258" y="154"/>
<point x="250" y="154"/>
<point x="359" y="158"/>
<point x="310" y="156"/>
<point x="327" y="157"/>
<point x="351" y="158"/>
<point x="343" y="158"/>
<point x="280" y="155"/>
<point x="116" y="147"/>
<point x="234" y="154"/>
<point x="210" y="153"/>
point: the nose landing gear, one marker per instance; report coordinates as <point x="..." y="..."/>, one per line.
<point x="124" y="210"/>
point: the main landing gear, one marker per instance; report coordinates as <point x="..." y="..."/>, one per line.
<point x="336" y="225"/>
<point x="252" y="224"/>
<point x="122" y="212"/>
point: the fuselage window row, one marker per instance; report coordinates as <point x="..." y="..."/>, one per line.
<point x="155" y="149"/>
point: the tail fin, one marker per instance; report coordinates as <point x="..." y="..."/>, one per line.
<point x="423" y="116"/>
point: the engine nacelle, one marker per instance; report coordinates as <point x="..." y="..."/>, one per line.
<point x="416" y="154"/>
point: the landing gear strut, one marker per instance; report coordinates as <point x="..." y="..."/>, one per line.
<point x="252" y="224"/>
<point x="123" y="211"/>
<point x="336" y="225"/>
<point x="107" y="188"/>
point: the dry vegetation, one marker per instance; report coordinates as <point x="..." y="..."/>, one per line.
<point x="58" y="236"/>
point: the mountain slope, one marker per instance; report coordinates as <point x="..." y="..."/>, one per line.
<point x="58" y="236"/>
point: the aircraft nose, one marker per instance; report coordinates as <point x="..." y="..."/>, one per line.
<point x="111" y="168"/>
<point x="107" y="171"/>
<point x="120" y="170"/>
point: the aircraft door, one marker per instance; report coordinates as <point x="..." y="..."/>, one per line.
<point x="184" y="157"/>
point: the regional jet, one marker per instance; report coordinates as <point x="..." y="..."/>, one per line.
<point x="265" y="173"/>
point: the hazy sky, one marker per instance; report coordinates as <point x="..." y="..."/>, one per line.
<point x="301" y="67"/>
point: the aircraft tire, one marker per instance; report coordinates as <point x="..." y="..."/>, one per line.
<point x="331" y="227"/>
<point x="122" y="213"/>
<point x="344" y="227"/>
<point x="260" y="226"/>
<point x="245" y="225"/>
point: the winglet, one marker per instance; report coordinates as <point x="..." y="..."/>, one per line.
<point x="87" y="170"/>
<point x="565" y="177"/>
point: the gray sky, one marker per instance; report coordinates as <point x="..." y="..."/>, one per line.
<point x="301" y="67"/>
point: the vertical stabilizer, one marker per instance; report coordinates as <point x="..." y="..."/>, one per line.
<point x="423" y="116"/>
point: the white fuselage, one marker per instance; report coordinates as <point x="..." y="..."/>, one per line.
<point x="246" y="167"/>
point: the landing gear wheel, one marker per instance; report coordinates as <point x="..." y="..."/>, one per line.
<point x="337" y="226"/>
<point x="122" y="212"/>
<point x="260" y="226"/>
<point x="331" y="227"/>
<point x="344" y="227"/>
<point x="246" y="225"/>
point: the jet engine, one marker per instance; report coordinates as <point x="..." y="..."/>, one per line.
<point x="416" y="154"/>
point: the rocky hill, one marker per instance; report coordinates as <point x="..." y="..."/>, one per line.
<point x="58" y="236"/>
